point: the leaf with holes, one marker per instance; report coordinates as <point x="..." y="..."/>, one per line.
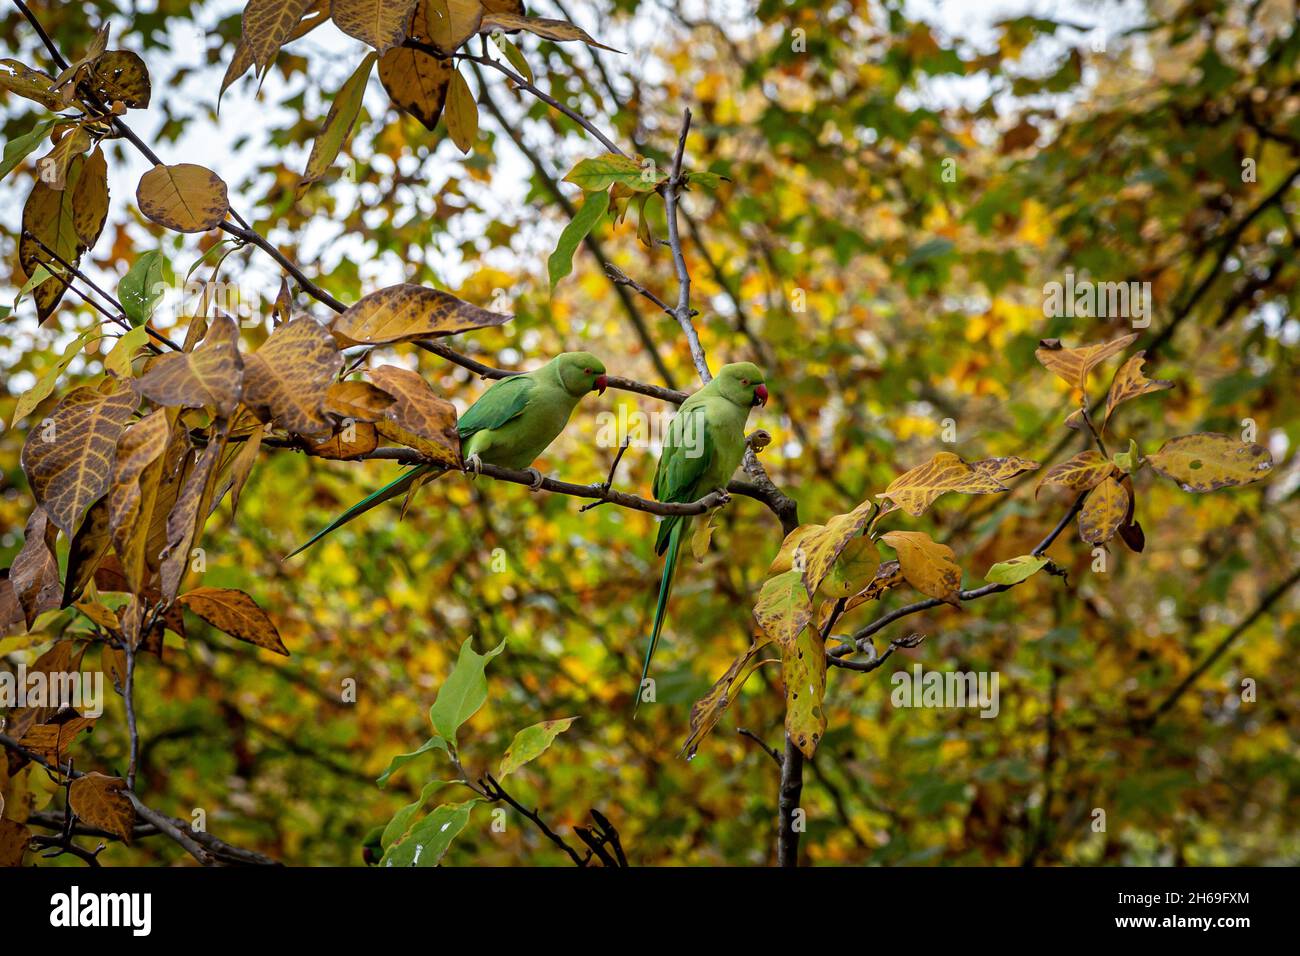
<point x="803" y="669"/>
<point x="120" y="76"/>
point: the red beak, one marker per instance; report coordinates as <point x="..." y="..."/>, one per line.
<point x="602" y="382"/>
<point x="760" y="394"/>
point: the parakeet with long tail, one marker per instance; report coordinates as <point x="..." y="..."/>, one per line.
<point x="703" y="448"/>
<point x="512" y="423"/>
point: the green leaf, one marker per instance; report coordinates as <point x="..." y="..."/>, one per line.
<point x="706" y="179"/>
<point x="118" y="359"/>
<point x="1015" y="570"/>
<point x="1127" y="460"/>
<point x="142" y="287"/>
<point x="530" y="743"/>
<point x="339" y="121"/>
<point x="597" y="175"/>
<point x="561" y="262"/>
<point x="464" y="691"/>
<point x="401" y="821"/>
<point x="18" y="149"/>
<point x="425" y="843"/>
<point x="433" y="743"/>
<point x="513" y="55"/>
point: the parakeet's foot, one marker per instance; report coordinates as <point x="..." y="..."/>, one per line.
<point x="723" y="494"/>
<point x="537" y="479"/>
<point x="474" y="464"/>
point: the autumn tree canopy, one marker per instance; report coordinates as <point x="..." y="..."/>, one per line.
<point x="1020" y="296"/>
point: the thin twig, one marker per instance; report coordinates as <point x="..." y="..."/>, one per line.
<point x="769" y="750"/>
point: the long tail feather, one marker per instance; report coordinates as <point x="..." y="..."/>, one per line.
<point x="673" y="545"/>
<point x="397" y="486"/>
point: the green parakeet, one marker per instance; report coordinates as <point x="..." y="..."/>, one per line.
<point x="512" y="423"/>
<point x="704" y="446"/>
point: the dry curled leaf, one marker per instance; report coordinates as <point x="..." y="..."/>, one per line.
<point x="1130" y="382"/>
<point x="211" y="375"/>
<point x="35" y="571"/>
<point x="708" y="710"/>
<point x="548" y="29"/>
<point x="915" y="490"/>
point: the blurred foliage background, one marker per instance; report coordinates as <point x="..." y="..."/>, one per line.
<point x="1161" y="146"/>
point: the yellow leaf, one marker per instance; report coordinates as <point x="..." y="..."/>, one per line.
<point x="381" y="23"/>
<point x="708" y="710"/>
<point x="406" y="312"/>
<point x="1130" y="382"/>
<point x="416" y="83"/>
<point x="287" y="378"/>
<point x="418" y="418"/>
<point x="915" y="490"/>
<point x="211" y="375"/>
<point x="559" y="30"/>
<point x="267" y="25"/>
<point x="784" y="607"/>
<point x="1206" y="461"/>
<point x="183" y="198"/>
<point x="1085" y="470"/>
<point x="928" y="566"/>
<point x="1073" y="365"/>
<point x="462" y="114"/>
<point x="803" y="669"/>
<point x="1103" y="511"/>
<point x="702" y="536"/>
<point x="449" y="23"/>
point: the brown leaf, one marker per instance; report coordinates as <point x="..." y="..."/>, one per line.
<point x="13" y="842"/>
<point x="236" y="614"/>
<point x="888" y="576"/>
<point x="69" y="457"/>
<point x="1103" y="511"/>
<point x="708" y="710"/>
<point x="120" y="76"/>
<point x="350" y="441"/>
<point x="139" y="446"/>
<point x="1130" y="382"/>
<point x="1206" y="461"/>
<point x="86" y="550"/>
<point x="404" y="313"/>
<point x="242" y="465"/>
<point x="558" y="30"/>
<point x="51" y="741"/>
<point x="183" y="198"/>
<point x="418" y="419"/>
<point x="1003" y="470"/>
<point x="67" y="220"/>
<point x="1085" y="470"/>
<point x="211" y="375"/>
<point x="101" y="801"/>
<point x="416" y="83"/>
<point x="35" y="571"/>
<point x="915" y="490"/>
<point x="381" y="23"/>
<point x="928" y="566"/>
<point x="359" y="401"/>
<point x="1073" y="365"/>
<point x="267" y="25"/>
<point x="287" y="379"/>
<point x="188" y="515"/>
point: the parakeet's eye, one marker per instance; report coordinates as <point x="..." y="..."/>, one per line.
<point x="744" y="381"/>
<point x="587" y="371"/>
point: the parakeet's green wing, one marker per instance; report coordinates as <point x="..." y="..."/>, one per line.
<point x="505" y="400"/>
<point x="687" y="454"/>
